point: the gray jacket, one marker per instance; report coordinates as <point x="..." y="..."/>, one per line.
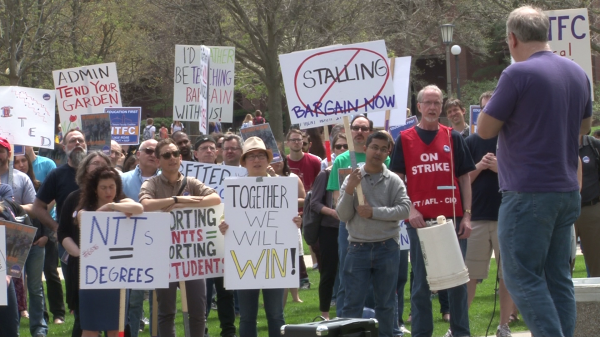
<point x="390" y="204"/>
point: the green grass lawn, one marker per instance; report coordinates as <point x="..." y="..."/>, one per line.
<point x="480" y="313"/>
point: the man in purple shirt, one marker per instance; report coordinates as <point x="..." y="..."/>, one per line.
<point x="541" y="105"/>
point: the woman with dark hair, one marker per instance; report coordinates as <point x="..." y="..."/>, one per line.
<point x="101" y="192"/>
<point x="316" y="142"/>
<point x="68" y="230"/>
<point x="24" y="164"/>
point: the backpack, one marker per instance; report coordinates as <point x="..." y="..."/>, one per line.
<point x="311" y="221"/>
<point x="592" y="142"/>
<point x="147" y="133"/>
<point x="258" y="120"/>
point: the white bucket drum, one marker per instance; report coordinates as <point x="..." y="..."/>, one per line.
<point x="443" y="259"/>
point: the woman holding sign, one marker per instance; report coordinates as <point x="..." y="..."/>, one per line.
<point x="256" y="159"/>
<point x="102" y="192"/>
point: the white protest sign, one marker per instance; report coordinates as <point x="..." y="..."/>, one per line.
<point x="204" y="66"/>
<point x="222" y="73"/>
<point x="187" y="84"/>
<point x="212" y="175"/>
<point x="569" y="36"/>
<point x="401" y="82"/>
<point x="85" y="90"/>
<point x="27" y="116"/>
<point x="323" y="85"/>
<point x="3" y="298"/>
<point x="197" y="246"/>
<point x="404" y="240"/>
<point x="124" y="253"/>
<point x="261" y="245"/>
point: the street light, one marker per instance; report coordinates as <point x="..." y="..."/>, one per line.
<point x="456" y="51"/>
<point x="447" y="30"/>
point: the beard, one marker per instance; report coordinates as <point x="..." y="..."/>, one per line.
<point x="76" y="156"/>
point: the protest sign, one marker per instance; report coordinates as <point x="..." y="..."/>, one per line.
<point x="197" y="248"/>
<point x="3" y="292"/>
<point x="125" y="125"/>
<point x="18" y="150"/>
<point x="204" y="66"/>
<point x="222" y="72"/>
<point x="27" y="116"/>
<point x="322" y="85"/>
<point x="404" y="240"/>
<point x="263" y="131"/>
<point x="118" y="252"/>
<point x="18" y="243"/>
<point x="261" y="245"/>
<point x="401" y="82"/>
<point x="85" y="90"/>
<point x="187" y="84"/>
<point x="396" y="129"/>
<point x="212" y="175"/>
<point x="96" y="128"/>
<point x="569" y="36"/>
<point x="474" y="111"/>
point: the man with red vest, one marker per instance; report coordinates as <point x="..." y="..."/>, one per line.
<point x="435" y="162"/>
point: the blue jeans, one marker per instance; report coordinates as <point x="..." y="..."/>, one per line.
<point x="402" y="278"/>
<point x="34" y="266"/>
<point x="9" y="314"/>
<point x="372" y="263"/>
<point x="136" y="310"/>
<point x="273" y="300"/>
<point x="422" y="316"/>
<point x="534" y="231"/>
<point x="342" y="251"/>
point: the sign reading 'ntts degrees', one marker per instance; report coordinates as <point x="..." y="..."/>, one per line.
<point x="322" y="85"/>
<point x="118" y="252"/>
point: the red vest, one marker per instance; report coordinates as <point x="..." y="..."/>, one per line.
<point x="430" y="173"/>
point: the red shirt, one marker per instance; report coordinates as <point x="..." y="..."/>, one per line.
<point x="430" y="179"/>
<point x="306" y="168"/>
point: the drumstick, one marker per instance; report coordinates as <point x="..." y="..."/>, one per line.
<point x="387" y="112"/>
<point x="154" y="328"/>
<point x="359" y="192"/>
<point x="327" y="144"/>
<point x="184" y="309"/>
<point x="122" y="301"/>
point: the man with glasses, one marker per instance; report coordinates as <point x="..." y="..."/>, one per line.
<point x="435" y="163"/>
<point x="361" y="128"/>
<point x="205" y="150"/>
<point x="116" y="154"/>
<point x="183" y="143"/>
<point x="541" y="105"/>
<point x="132" y="182"/>
<point x="232" y="149"/>
<point x="161" y="193"/>
<point x="374" y="233"/>
<point x="59" y="183"/>
<point x="218" y="137"/>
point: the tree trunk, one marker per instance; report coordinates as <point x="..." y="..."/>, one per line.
<point x="274" y="107"/>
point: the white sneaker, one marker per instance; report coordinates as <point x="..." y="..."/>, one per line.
<point x="448" y="334"/>
<point x="404" y="330"/>
<point x="503" y="331"/>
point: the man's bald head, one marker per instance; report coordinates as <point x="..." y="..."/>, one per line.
<point x="115" y="152"/>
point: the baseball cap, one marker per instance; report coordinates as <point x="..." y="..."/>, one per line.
<point x="5" y="144"/>
<point x="203" y="139"/>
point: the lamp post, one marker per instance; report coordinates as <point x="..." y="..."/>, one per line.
<point x="456" y="51"/>
<point x="447" y="30"/>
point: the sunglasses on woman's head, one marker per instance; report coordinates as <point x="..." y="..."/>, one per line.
<point x="341" y="146"/>
<point x="167" y="155"/>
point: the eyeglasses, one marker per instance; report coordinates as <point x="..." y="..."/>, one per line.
<point x="434" y="103"/>
<point x="260" y="156"/>
<point x="341" y="146"/>
<point x="227" y="149"/>
<point x="167" y="155"/>
<point x="304" y="143"/>
<point x="380" y="149"/>
<point x="116" y="153"/>
<point x="148" y="151"/>
<point x="360" y="128"/>
<point x="207" y="148"/>
<point x="295" y="140"/>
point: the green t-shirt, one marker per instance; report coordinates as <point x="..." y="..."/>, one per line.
<point x="343" y="161"/>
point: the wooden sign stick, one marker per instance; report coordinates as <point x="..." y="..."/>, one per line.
<point x="122" y="309"/>
<point x="154" y="328"/>
<point x="184" y="309"/>
<point x="387" y="112"/>
<point x="359" y="192"/>
<point x="327" y="144"/>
